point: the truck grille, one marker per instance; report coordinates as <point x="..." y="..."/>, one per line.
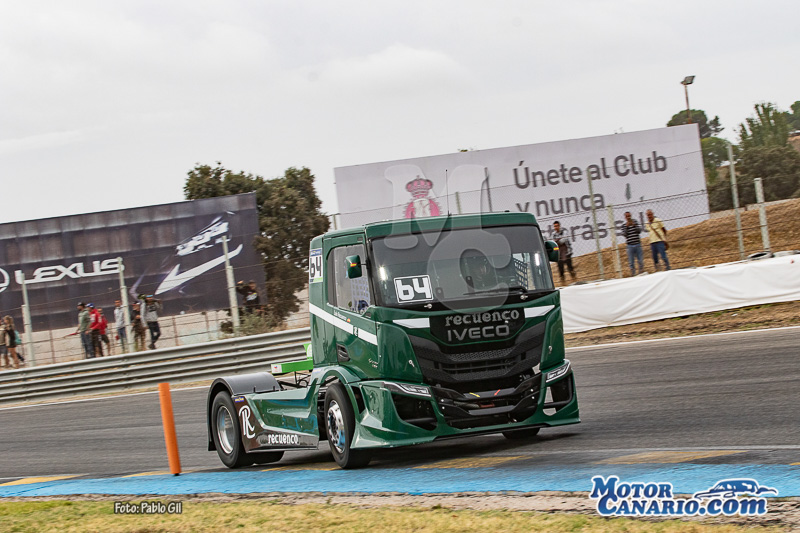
<point x="439" y="367"/>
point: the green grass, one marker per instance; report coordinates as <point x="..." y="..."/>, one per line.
<point x="67" y="516"/>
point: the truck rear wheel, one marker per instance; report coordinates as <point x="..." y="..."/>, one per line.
<point x="521" y="434"/>
<point x="340" y="426"/>
<point x="227" y="433"/>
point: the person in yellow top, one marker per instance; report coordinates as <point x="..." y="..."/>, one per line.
<point x="658" y="238"/>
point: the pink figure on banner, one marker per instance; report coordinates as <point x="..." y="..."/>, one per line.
<point x="420" y="205"/>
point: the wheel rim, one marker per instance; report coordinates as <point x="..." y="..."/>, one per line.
<point x="336" y="426"/>
<point x="226" y="432"/>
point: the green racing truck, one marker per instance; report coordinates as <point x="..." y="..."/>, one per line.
<point x="421" y="329"/>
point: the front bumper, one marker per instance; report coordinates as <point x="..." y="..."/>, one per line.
<point x="399" y="414"/>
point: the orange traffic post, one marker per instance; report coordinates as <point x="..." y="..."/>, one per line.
<point x="169" y="428"/>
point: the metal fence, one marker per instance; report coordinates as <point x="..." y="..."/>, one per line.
<point x="720" y="237"/>
<point x="43" y="345"/>
<point x="703" y="226"/>
<point x="145" y="369"/>
<point x="62" y="345"/>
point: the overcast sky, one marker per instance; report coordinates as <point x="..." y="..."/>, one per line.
<point x="108" y="104"/>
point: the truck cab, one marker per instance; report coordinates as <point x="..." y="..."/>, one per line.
<point x="431" y="328"/>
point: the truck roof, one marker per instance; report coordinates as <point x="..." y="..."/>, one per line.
<point x="446" y="222"/>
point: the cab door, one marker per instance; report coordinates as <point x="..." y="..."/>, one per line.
<point x="347" y="306"/>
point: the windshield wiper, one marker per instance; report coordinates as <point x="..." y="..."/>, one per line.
<point x="499" y="289"/>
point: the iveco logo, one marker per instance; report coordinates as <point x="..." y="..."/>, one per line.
<point x="478" y="333"/>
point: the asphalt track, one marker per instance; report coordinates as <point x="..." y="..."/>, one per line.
<point x="689" y="411"/>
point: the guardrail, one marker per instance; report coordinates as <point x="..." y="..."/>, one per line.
<point x="137" y="370"/>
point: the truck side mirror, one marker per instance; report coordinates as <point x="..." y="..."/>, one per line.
<point x="552" y="250"/>
<point x="353" y="266"/>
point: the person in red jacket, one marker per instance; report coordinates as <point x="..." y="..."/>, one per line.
<point x="103" y="335"/>
<point x="95" y="325"/>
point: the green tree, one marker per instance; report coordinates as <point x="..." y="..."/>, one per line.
<point x="793" y="118"/>
<point x="289" y="215"/>
<point x="768" y="128"/>
<point x="204" y="181"/>
<point x="779" y="168"/>
<point x="766" y="154"/>
<point x="715" y="152"/>
<point x="719" y="195"/>
<point x="708" y="128"/>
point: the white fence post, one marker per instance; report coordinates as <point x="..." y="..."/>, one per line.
<point x="231" y="287"/>
<point x="127" y="345"/>
<point x="612" y="228"/>
<point x="735" y="195"/>
<point x="594" y="225"/>
<point x="26" y="321"/>
<point x="762" y="214"/>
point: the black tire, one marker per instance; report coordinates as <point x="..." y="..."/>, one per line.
<point x="228" y="441"/>
<point x="340" y="425"/>
<point x="263" y="458"/>
<point x="521" y="434"/>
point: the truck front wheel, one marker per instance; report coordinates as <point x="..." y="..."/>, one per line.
<point x="226" y="432"/>
<point x="340" y="426"/>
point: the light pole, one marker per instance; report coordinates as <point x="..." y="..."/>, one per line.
<point x="688" y="80"/>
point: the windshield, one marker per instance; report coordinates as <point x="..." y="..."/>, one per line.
<point x="459" y="264"/>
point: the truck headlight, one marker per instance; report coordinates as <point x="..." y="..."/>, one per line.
<point x="416" y="390"/>
<point x="558" y="372"/>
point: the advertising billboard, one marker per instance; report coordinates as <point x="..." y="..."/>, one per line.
<point x="173" y="251"/>
<point x="660" y="169"/>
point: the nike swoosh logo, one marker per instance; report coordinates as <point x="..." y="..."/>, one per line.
<point x="175" y="279"/>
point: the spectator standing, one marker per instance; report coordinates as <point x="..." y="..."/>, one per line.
<point x="83" y="330"/>
<point x="152" y="308"/>
<point x="561" y="236"/>
<point x="631" y="229"/>
<point x="139" y="327"/>
<point x="249" y="294"/>
<point x="95" y="325"/>
<point x="10" y="335"/>
<point x="658" y="238"/>
<point x="119" y="325"/>
<point x="103" y="326"/>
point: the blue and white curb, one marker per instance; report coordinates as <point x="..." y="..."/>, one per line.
<point x="686" y="479"/>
